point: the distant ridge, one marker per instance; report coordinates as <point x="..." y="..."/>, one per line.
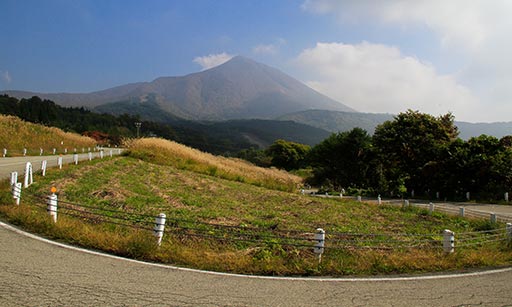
<point x="238" y="89"/>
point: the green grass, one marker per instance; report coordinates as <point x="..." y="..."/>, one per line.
<point x="190" y="199"/>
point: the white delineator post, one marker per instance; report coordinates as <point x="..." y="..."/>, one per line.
<point x="54" y="150"/>
<point x="52" y="205"/>
<point x="5" y="152"/>
<point x="101" y="154"/>
<point x="448" y="241"/>
<point x="320" y="243"/>
<point x="43" y="167"/>
<point x="405" y="204"/>
<point x="40" y="151"/>
<point x="359" y="198"/>
<point x="506" y="196"/>
<point x="75" y="159"/>
<point x="14" y="178"/>
<point x="431" y="208"/>
<point x="111" y="153"/>
<point x="24" y="151"/>
<point x="28" y="175"/>
<point x="59" y="162"/>
<point x="509" y="233"/>
<point x="379" y="200"/>
<point x="16" y="192"/>
<point x="493" y="218"/>
<point x="159" y="228"/>
<point x="461" y="211"/>
<point x="90" y="156"/>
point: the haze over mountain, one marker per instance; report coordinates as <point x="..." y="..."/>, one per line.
<point x="240" y="88"/>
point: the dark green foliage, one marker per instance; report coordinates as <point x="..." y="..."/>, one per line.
<point x="288" y="155"/>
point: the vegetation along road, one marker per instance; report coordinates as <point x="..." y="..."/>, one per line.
<point x="37" y="273"/>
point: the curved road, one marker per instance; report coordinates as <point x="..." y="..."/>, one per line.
<point x="39" y="273"/>
<point x="35" y="272"/>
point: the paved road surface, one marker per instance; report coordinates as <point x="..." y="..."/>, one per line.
<point x="35" y="273"/>
<point x="17" y="164"/>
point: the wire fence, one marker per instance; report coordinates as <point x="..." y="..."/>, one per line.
<point x="192" y="229"/>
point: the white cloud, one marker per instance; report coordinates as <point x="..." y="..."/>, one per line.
<point x="378" y="78"/>
<point x="6" y="77"/>
<point x="269" y="49"/>
<point x="475" y="34"/>
<point x="212" y="60"/>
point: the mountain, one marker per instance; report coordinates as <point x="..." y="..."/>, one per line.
<point x="345" y="121"/>
<point x="240" y="88"/>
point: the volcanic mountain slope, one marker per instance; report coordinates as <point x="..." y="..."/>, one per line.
<point x="240" y="88"/>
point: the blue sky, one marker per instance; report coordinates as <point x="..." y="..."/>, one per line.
<point x="434" y="56"/>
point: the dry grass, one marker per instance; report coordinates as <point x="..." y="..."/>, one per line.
<point x="166" y="152"/>
<point x="16" y="134"/>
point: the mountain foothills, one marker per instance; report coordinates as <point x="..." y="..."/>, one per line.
<point x="238" y="89"/>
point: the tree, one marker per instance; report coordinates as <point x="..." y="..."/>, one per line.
<point x="288" y="155"/>
<point x="342" y="159"/>
<point x="410" y="147"/>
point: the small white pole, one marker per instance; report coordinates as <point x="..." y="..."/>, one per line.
<point x="468" y="195"/>
<point x="5" y="152"/>
<point x="406" y="204"/>
<point x="40" y="151"/>
<point x="101" y="154"/>
<point x="509" y="232"/>
<point x="43" y="167"/>
<point x="54" y="150"/>
<point x="431" y="208"/>
<point x="90" y="156"/>
<point x="65" y="150"/>
<point x="111" y="153"/>
<point x="14" y="178"/>
<point x="341" y="195"/>
<point x="59" y="162"/>
<point x="412" y="193"/>
<point x="119" y="151"/>
<point x="379" y="200"/>
<point x="74" y="149"/>
<point x="506" y="196"/>
<point x="75" y="159"/>
<point x="158" y="230"/>
<point x="28" y="175"/>
<point x="448" y="241"/>
<point x="52" y="205"/>
<point x="461" y="211"/>
<point x="24" y="151"/>
<point x="437" y="195"/>
<point x="320" y="243"/>
<point x="493" y="218"/>
<point x="88" y="149"/>
<point x="359" y="198"/>
<point x="83" y="150"/>
<point x="16" y="192"/>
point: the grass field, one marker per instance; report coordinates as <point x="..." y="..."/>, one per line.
<point x="16" y="134"/>
<point x="227" y="220"/>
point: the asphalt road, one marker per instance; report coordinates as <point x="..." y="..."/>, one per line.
<point x="37" y="273"/>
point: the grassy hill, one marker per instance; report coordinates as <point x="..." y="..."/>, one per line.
<point x="16" y="134"/>
<point x="227" y="215"/>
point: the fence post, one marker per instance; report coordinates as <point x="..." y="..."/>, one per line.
<point x="43" y="167"/>
<point x="90" y="155"/>
<point x="59" y="162"/>
<point x="52" y="205"/>
<point x="431" y="208"/>
<point x="40" y="151"/>
<point x="379" y="200"/>
<point x="320" y="243"/>
<point x="54" y="150"/>
<point x="493" y="218"/>
<point x="509" y="232"/>
<point x="5" y="152"/>
<point x="101" y="154"/>
<point x="24" y="151"/>
<point x="448" y="241"/>
<point x="75" y="159"/>
<point x="14" y="178"/>
<point x="16" y="192"/>
<point x="461" y="211"/>
<point x="111" y="153"/>
<point x="158" y="230"/>
<point x="28" y="175"/>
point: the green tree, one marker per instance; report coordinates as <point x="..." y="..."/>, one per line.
<point x="288" y="155"/>
<point x="410" y="147"/>
<point x="343" y="159"/>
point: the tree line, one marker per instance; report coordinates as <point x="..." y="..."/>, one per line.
<point x="414" y="154"/>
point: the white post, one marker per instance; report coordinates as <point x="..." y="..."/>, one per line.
<point x="431" y="208"/>
<point x="493" y="218"/>
<point x="88" y="149"/>
<point x="24" y="151"/>
<point x="14" y="178"/>
<point x="379" y="200"/>
<point x="5" y="152"/>
<point x="28" y="175"/>
<point x="119" y="151"/>
<point x="468" y="196"/>
<point x="51" y="207"/>
<point x="75" y="159"/>
<point x="65" y="150"/>
<point x="437" y="195"/>
<point x="412" y="193"/>
<point x="83" y="150"/>
<point x="406" y="204"/>
<point x="341" y="195"/>
<point x="506" y="196"/>
<point x="320" y="243"/>
<point x="90" y="156"/>
<point x="448" y="241"/>
<point x="158" y="230"/>
<point x="59" y="162"/>
<point x="54" y="150"/>
<point x="461" y="211"/>
<point x="40" y="151"/>
<point x="101" y="154"/>
<point x="111" y="153"/>
<point x="359" y="198"/>
<point x="16" y="192"/>
<point x="43" y="167"/>
<point x="74" y="149"/>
